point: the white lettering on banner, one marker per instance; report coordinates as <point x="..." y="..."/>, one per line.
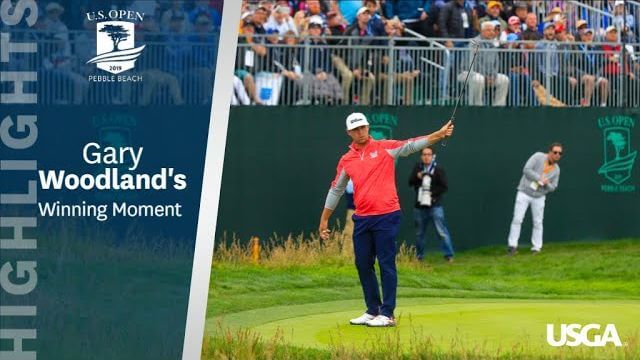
<point x="575" y="335"/>
<point x="18" y="132"/>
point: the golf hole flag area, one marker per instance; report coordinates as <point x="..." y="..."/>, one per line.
<point x="485" y="305"/>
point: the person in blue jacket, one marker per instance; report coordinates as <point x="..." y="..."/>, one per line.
<point x="413" y="13"/>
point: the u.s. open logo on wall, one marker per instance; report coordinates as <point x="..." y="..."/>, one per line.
<point x="115" y="46"/>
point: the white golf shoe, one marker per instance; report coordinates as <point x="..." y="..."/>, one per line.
<point x="381" y="321"/>
<point x="362" y="319"/>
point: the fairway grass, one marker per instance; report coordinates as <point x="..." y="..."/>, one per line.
<point x="485" y="305"/>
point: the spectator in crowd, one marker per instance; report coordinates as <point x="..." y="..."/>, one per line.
<point x="85" y="46"/>
<point x="259" y="19"/>
<point x="335" y="26"/>
<point x="155" y="75"/>
<point x="324" y="87"/>
<point x="562" y="35"/>
<point x="376" y="23"/>
<point x="176" y="10"/>
<point x="359" y="59"/>
<point x="291" y="68"/>
<point x="302" y="17"/>
<point x="245" y="7"/>
<point x="520" y="10"/>
<point x="269" y="5"/>
<point x="548" y="62"/>
<point x="530" y="31"/>
<point x="281" y="20"/>
<point x="556" y="16"/>
<point x="248" y="49"/>
<point x="430" y="183"/>
<point x="567" y="73"/>
<point x="587" y="69"/>
<point x="291" y="61"/>
<point x="203" y="54"/>
<point x="613" y="69"/>
<point x="52" y="24"/>
<point x="413" y="13"/>
<point x="202" y="6"/>
<point x="486" y="74"/>
<point x="239" y="95"/>
<point x="513" y="27"/>
<point x="455" y="21"/>
<point x="493" y="14"/>
<point x="621" y="17"/>
<point x="178" y="51"/>
<point x="60" y="65"/>
<point x="540" y="177"/>
<point x="516" y="65"/>
<point x="405" y="71"/>
<point x="581" y="27"/>
<point x="146" y="7"/>
<point x="624" y="22"/>
<point x="348" y="9"/>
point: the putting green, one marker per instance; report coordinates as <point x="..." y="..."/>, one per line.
<point x="491" y="324"/>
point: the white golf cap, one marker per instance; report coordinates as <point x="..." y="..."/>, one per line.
<point x="362" y="9"/>
<point x="356" y="120"/>
<point x="316" y="20"/>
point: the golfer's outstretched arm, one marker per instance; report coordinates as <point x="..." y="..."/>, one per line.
<point x="338" y="187"/>
<point x="408" y="147"/>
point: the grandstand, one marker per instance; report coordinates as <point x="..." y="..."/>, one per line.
<point x="532" y="53"/>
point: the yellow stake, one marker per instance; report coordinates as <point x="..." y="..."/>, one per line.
<point x="255" y="249"/>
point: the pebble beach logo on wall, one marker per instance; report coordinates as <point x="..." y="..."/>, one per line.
<point x="115" y="44"/>
<point x="382" y="125"/>
<point x="619" y="154"/>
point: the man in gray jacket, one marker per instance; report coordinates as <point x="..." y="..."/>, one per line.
<point x="486" y="71"/>
<point x="540" y="176"/>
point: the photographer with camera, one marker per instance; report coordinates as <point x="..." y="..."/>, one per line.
<point x="430" y="183"/>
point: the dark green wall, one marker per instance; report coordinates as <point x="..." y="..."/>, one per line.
<point x="279" y="163"/>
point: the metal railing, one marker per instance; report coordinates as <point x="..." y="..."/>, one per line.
<point x="174" y="68"/>
<point x="412" y="72"/>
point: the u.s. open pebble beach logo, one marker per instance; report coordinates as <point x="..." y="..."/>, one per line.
<point x="619" y="154"/>
<point x="115" y="41"/>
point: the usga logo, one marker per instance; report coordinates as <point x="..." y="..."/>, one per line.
<point x="115" y="44"/>
<point x="588" y="335"/>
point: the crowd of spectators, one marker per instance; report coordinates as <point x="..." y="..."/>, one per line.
<point x="582" y="73"/>
<point x="177" y="64"/>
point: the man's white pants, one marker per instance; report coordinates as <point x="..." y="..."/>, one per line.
<point x="537" y="212"/>
<point x="477" y="86"/>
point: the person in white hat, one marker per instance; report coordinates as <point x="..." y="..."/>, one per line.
<point x="281" y="20"/>
<point x="53" y="25"/>
<point x="370" y="164"/>
<point x="358" y="63"/>
<point x="624" y="21"/>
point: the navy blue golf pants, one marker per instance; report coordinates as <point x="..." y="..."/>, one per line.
<point x="375" y="237"/>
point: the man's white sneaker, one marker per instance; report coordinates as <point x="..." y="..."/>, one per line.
<point x="381" y="321"/>
<point x="362" y="319"/>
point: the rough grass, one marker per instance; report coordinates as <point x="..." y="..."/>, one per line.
<point x="298" y="271"/>
<point x="245" y="344"/>
<point x="101" y="294"/>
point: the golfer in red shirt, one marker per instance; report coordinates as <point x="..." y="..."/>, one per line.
<point x="370" y="164"/>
